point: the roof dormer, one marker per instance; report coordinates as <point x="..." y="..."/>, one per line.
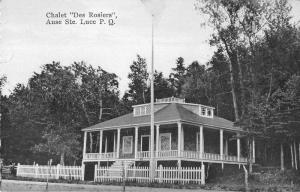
<point x="201" y="110"/>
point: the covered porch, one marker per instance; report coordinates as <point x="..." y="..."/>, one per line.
<point x="180" y="141"/>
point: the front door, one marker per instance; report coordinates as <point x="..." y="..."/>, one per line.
<point x="145" y="143"/>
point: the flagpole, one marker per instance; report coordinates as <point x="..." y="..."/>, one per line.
<point x="152" y="103"/>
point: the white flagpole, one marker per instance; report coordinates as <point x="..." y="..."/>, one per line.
<point x="155" y="8"/>
<point x="152" y="106"/>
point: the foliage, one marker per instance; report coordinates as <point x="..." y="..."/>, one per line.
<point x="46" y="115"/>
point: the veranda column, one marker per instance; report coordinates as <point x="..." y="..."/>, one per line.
<point x="253" y="150"/>
<point x="136" y="141"/>
<point x="157" y="140"/>
<point x="114" y="148"/>
<point x="238" y="145"/>
<point x="226" y="146"/>
<point x="84" y="143"/>
<point x="118" y="142"/>
<point x="221" y="143"/>
<point x="179" y="137"/>
<point x="182" y="138"/>
<point x="201" y="142"/>
<point x="101" y="139"/>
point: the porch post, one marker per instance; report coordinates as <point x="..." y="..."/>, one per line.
<point x="221" y="143"/>
<point x="238" y="147"/>
<point x="226" y="146"/>
<point x="182" y="138"/>
<point x="179" y="137"/>
<point x="84" y="143"/>
<point x="136" y="142"/>
<point x="157" y="140"/>
<point x="201" y="141"/>
<point x="101" y="139"/>
<point x="253" y="148"/>
<point x="118" y="142"/>
<point x="114" y="149"/>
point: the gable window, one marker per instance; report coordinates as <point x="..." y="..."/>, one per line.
<point x="203" y="110"/>
<point x="209" y="112"/>
<point x="127" y="144"/>
<point x="165" y="141"/>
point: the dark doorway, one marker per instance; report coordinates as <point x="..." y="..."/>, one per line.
<point x="89" y="171"/>
<point x="145" y="143"/>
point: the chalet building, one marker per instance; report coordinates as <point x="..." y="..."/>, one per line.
<point x="186" y="134"/>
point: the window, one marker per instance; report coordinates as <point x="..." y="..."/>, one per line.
<point x="127" y="144"/>
<point x="209" y="112"/>
<point x="165" y="141"/>
<point x="203" y="111"/>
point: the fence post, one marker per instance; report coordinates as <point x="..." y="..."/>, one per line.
<point x="57" y="171"/>
<point x="202" y="174"/>
<point x="95" y="173"/>
<point x="36" y="170"/>
<point x="160" y="173"/>
<point x="82" y="171"/>
<point x="18" y="169"/>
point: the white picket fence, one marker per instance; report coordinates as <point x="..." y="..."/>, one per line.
<point x="51" y="172"/>
<point x="142" y="175"/>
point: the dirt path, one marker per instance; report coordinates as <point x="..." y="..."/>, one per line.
<point x="13" y="185"/>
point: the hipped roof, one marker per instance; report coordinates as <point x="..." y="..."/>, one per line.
<point x="173" y="112"/>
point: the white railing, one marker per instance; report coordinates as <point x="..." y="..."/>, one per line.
<point x="166" y="154"/>
<point x="51" y="172"/>
<point x="190" y="154"/>
<point x="94" y="156"/>
<point x="142" y="174"/>
<point x="169" y="154"/>
<point x="230" y="158"/>
<point x="211" y="156"/>
<point x="143" y="154"/>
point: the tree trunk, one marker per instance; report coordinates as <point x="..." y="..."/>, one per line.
<point x="234" y="99"/>
<point x="281" y="157"/>
<point x="250" y="155"/>
<point x="292" y="155"/>
<point x="241" y="81"/>
<point x="295" y="156"/>
<point x="246" y="178"/>
<point x="86" y="115"/>
<point x="299" y="152"/>
<point x="62" y="158"/>
<point x="232" y="82"/>
<point x="100" y="109"/>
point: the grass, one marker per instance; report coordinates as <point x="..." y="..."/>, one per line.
<point x="263" y="180"/>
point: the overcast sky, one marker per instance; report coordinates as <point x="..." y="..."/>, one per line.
<point x="27" y="42"/>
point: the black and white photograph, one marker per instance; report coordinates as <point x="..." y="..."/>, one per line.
<point x="150" y="95"/>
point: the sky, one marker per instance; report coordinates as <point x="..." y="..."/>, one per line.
<point x="27" y="42"/>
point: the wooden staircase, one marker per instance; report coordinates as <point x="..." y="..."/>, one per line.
<point x="116" y="169"/>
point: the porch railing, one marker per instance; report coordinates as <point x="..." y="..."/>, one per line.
<point x="166" y="154"/>
<point x="143" y="154"/>
<point x="100" y="155"/>
<point x="169" y="154"/>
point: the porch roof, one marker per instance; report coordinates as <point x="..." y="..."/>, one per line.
<point x="171" y="113"/>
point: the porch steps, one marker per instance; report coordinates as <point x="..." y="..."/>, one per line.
<point x="116" y="169"/>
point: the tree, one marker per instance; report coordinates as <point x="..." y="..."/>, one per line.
<point x="47" y="114"/>
<point x="162" y="87"/>
<point x="176" y="78"/>
<point x="56" y="85"/>
<point x="138" y="81"/>
<point x="197" y="84"/>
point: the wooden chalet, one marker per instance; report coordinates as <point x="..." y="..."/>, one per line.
<point x="185" y="133"/>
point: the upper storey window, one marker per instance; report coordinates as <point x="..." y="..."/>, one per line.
<point x="205" y="111"/>
<point x="141" y="110"/>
